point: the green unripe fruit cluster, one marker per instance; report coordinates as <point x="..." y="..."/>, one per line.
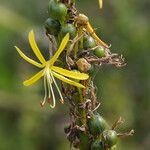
<point x="110" y="138"/>
<point x="96" y="124"/>
<point x="57" y="10"/>
<point x="52" y="26"/>
<point x="68" y="28"/>
<point x="97" y="145"/>
<point x="99" y="52"/>
<point x="88" y="42"/>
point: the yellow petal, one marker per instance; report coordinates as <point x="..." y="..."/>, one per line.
<point x="101" y="4"/>
<point x="64" y="79"/>
<point x="35" y="47"/>
<point x="93" y="34"/>
<point x="60" y="49"/>
<point x="70" y="74"/>
<point x="34" y="78"/>
<point x="28" y="59"/>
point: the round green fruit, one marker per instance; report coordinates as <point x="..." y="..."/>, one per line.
<point x="57" y="10"/>
<point x="97" y="145"/>
<point x="88" y="42"/>
<point x="99" y="52"/>
<point x="52" y="26"/>
<point x="110" y="138"/>
<point x="96" y="124"/>
<point x="68" y="28"/>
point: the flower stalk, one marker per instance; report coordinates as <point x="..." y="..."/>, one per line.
<point x="81" y="52"/>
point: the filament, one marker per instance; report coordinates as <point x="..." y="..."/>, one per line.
<point x="53" y="97"/>
<point x="45" y="89"/>
<point x="61" y="97"/>
<point x="50" y="89"/>
<point x="48" y="85"/>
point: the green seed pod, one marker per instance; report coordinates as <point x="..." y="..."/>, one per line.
<point x="83" y="65"/>
<point x="88" y="42"/>
<point x="52" y="26"/>
<point x="99" y="52"/>
<point x="97" y="145"/>
<point x="96" y="124"/>
<point x="110" y="138"/>
<point x="68" y="28"/>
<point x="57" y="10"/>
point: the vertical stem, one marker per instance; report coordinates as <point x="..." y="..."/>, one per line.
<point x="82" y="95"/>
<point x="76" y="49"/>
<point x="82" y="110"/>
<point x="81" y="40"/>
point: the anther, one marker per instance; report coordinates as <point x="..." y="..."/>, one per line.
<point x="49" y="100"/>
<point x="62" y="101"/>
<point x="42" y="103"/>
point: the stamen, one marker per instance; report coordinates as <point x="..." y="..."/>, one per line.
<point x="45" y="89"/>
<point x="61" y="97"/>
<point x="62" y="101"/>
<point x="53" y="97"/>
<point x="41" y="103"/>
<point x="50" y="89"/>
<point x="49" y="100"/>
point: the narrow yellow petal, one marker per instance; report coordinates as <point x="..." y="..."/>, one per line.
<point x="28" y="59"/>
<point x="60" y="49"/>
<point x="35" y="47"/>
<point x="64" y="79"/>
<point x="34" y="78"/>
<point x="70" y="74"/>
<point x="100" y="4"/>
<point x="93" y="34"/>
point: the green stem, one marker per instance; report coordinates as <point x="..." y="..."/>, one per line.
<point x="76" y="49"/>
<point x="82" y="111"/>
<point x="80" y="32"/>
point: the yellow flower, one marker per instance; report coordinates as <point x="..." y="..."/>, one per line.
<point x="49" y="71"/>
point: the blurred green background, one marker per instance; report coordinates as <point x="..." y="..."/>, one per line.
<point x="124" y="92"/>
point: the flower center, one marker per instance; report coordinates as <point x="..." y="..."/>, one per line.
<point x="49" y="92"/>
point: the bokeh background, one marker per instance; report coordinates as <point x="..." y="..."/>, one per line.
<point x="124" y="92"/>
